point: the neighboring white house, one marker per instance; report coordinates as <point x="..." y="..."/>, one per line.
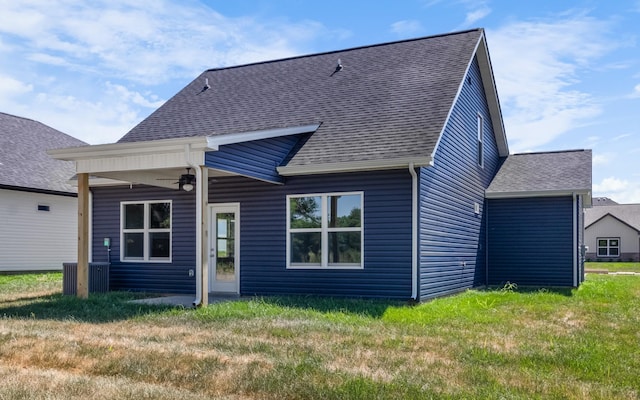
<point x="38" y="207"/>
<point x="612" y="232"/>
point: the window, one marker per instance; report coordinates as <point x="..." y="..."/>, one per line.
<point x="146" y="231"/>
<point x="480" y="122"/>
<point x="608" y="247"/>
<point x="44" y="207"/>
<point x="325" y="230"/>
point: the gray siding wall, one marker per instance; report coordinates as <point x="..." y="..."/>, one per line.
<point x="451" y="234"/>
<point x="530" y="241"/>
<point x="387" y="243"/>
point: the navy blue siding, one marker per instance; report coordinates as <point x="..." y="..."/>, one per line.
<point x="387" y="240"/>
<point x="257" y="159"/>
<point x="387" y="244"/>
<point x="152" y="277"/>
<point x="580" y="236"/>
<point x="530" y="241"/>
<point x="451" y="238"/>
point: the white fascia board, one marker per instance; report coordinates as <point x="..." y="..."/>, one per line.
<point x="353" y="166"/>
<point x="139" y="162"/>
<point x="491" y="93"/>
<point x="214" y="142"/>
<point x="540" y="193"/>
<point x="124" y="149"/>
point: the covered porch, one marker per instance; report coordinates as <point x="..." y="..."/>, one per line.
<point x="185" y="166"/>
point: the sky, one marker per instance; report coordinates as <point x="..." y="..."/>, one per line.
<point x="567" y="72"/>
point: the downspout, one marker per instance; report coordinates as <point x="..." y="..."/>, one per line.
<point x="575" y="240"/>
<point x="187" y="155"/>
<point x="486" y="242"/>
<point x="414" y="232"/>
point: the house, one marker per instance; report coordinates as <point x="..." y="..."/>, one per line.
<point x="612" y="232"/>
<point x="38" y="207"/>
<point x="359" y="172"/>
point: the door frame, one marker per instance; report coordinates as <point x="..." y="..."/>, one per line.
<point x="213" y="208"/>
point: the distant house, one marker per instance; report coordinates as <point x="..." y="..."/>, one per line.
<point x="613" y="232"/>
<point x="361" y="172"/>
<point x="38" y="206"/>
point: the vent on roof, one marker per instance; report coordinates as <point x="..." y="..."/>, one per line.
<point x="44" y="207"/>
<point x="339" y="67"/>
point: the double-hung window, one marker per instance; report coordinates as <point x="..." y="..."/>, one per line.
<point x="608" y="247"/>
<point x="325" y="230"/>
<point x="145" y="231"/>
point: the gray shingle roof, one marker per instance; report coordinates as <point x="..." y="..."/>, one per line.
<point x="603" y="201"/>
<point x="389" y="100"/>
<point x="627" y="213"/>
<point x="24" y="162"/>
<point x="544" y="172"/>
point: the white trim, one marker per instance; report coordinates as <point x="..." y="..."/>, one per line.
<point x="324" y="231"/>
<point x="491" y="94"/>
<point x="488" y="81"/>
<point x="480" y="144"/>
<point x="123" y="149"/>
<point x="145" y="230"/>
<point x="608" y="247"/>
<point x="527" y="194"/>
<point x="354" y="166"/>
<point x="214" y="142"/>
<point x="213" y="208"/>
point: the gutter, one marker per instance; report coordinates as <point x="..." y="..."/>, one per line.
<point x="414" y="232"/>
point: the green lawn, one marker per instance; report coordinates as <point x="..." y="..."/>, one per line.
<point x="614" y="266"/>
<point x="502" y="344"/>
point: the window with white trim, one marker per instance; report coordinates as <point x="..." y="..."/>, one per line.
<point x="480" y="128"/>
<point x="325" y="230"/>
<point x="608" y="247"/>
<point x="145" y="231"/>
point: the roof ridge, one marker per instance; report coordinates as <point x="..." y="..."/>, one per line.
<point x="551" y="152"/>
<point x="21" y="117"/>
<point x="347" y="49"/>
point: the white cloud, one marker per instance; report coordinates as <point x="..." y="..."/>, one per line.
<point x="145" y="41"/>
<point x="95" y="69"/>
<point x="536" y="65"/>
<point x="12" y="87"/>
<point x="620" y="190"/>
<point x="636" y="91"/>
<point x="406" y="27"/>
<point x="473" y="16"/>
<point x="602" y="159"/>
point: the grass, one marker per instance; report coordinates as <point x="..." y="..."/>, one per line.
<point x="500" y="344"/>
<point x="614" y="266"/>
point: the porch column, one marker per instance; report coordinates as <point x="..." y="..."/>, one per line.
<point x="82" y="289"/>
<point x="204" y="223"/>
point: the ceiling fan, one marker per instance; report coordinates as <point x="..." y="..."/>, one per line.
<point x="186" y="181"/>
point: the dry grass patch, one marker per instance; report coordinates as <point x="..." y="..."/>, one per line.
<point x="492" y="344"/>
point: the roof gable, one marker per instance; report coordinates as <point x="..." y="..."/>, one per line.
<point x="24" y="162"/>
<point x="387" y="101"/>
<point x="628" y="214"/>
<point x="550" y="173"/>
